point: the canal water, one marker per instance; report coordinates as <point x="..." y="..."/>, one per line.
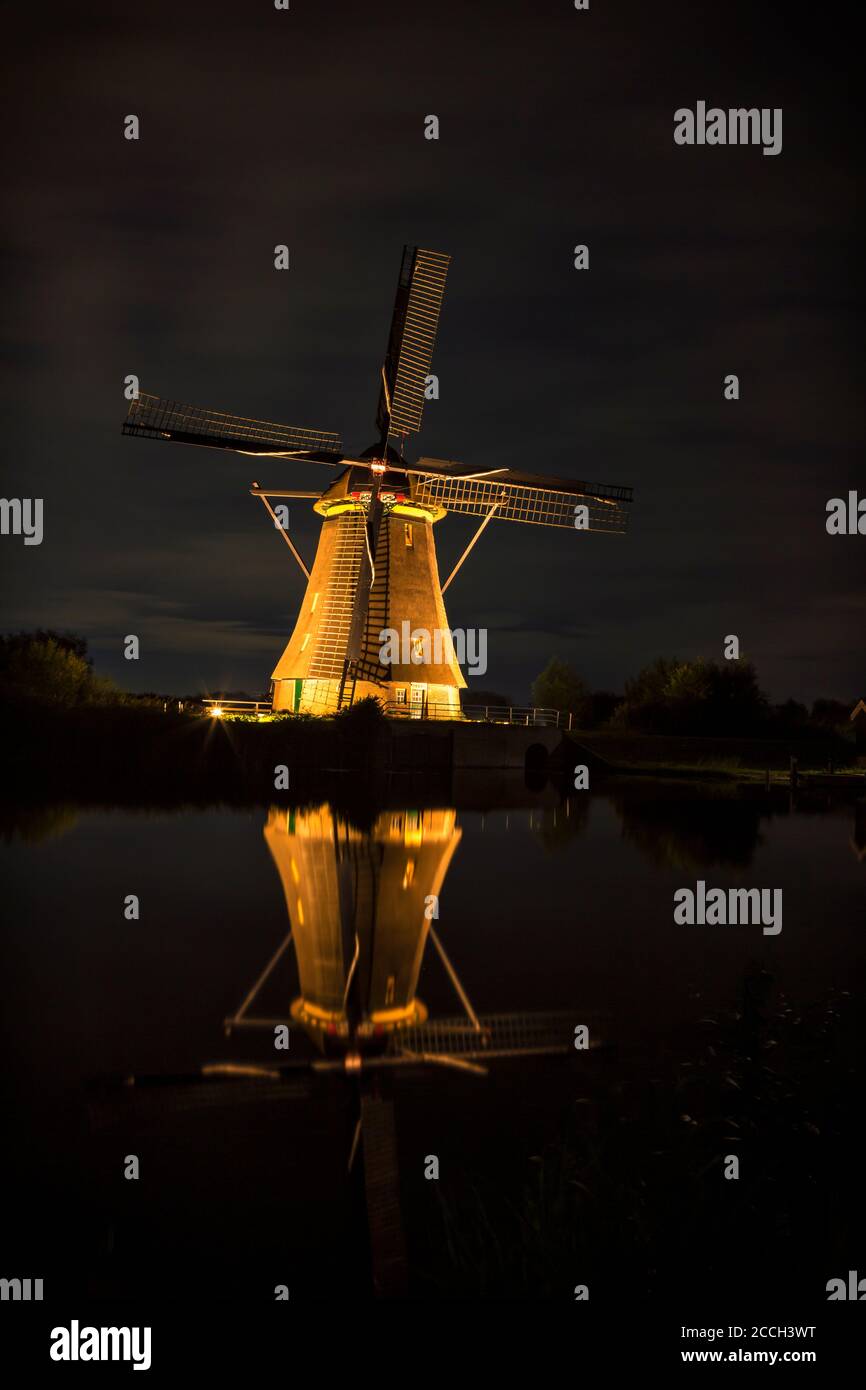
<point x="462" y="951"/>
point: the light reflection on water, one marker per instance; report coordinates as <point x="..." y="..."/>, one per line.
<point x="441" y="936"/>
<point x="541" y="905"/>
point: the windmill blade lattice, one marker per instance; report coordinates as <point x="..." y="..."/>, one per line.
<point x="526" y="497"/>
<point x="410" y="345"/>
<point x="156" y="418"/>
<point x="500" y="1035"/>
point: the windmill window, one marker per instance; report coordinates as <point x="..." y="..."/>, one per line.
<point x="313" y="604"/>
<point x="407" y="532"/>
<point x="305" y="642"/>
<point x="401" y="695"/>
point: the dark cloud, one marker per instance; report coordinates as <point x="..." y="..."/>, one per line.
<point x="305" y="127"/>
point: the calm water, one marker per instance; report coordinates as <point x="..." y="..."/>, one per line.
<point x="546" y="907"/>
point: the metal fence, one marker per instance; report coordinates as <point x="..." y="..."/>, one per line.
<point x="528" y="716"/>
<point x="219" y="707"/>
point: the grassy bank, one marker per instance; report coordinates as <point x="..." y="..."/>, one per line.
<point x="138" y="753"/>
<point x="745" y="758"/>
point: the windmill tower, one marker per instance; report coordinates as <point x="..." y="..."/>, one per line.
<point x="356" y="903"/>
<point x="375" y="569"/>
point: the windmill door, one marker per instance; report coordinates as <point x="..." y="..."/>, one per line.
<point x="417" y="699"/>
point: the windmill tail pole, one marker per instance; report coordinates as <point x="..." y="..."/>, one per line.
<point x="477" y="536"/>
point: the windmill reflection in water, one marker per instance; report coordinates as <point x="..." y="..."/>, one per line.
<point x="362" y="905"/>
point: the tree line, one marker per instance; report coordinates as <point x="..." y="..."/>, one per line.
<point x="666" y="697"/>
<point x="688" y="697"/>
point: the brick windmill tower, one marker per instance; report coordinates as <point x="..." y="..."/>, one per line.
<point x="375" y="568"/>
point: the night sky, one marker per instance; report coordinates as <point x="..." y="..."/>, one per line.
<point x="305" y="127"/>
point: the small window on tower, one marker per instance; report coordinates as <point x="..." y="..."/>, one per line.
<point x="401" y="695"/>
<point x="313" y="604"/>
<point x="305" y="642"/>
<point x="407" y="532"/>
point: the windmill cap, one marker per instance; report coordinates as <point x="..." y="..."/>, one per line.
<point x="391" y="455"/>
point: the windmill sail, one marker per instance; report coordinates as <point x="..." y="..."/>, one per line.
<point x="410" y="346"/>
<point x="155" y="418"/>
<point x="498" y="1035"/>
<point x="526" y="497"/>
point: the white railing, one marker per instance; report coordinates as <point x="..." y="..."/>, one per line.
<point x="528" y="716"/>
<point x="218" y="707"/>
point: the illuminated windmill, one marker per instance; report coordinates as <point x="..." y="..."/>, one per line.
<point x="375" y="567"/>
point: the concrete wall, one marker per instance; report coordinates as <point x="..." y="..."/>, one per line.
<point x="466" y="745"/>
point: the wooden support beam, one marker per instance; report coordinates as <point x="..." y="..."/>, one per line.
<point x="255" y="491"/>
<point x="454" y="978"/>
<point x="239" y="1019"/>
<point x="477" y="536"/>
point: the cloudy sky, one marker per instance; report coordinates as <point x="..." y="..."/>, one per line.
<point x="306" y="127"/>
